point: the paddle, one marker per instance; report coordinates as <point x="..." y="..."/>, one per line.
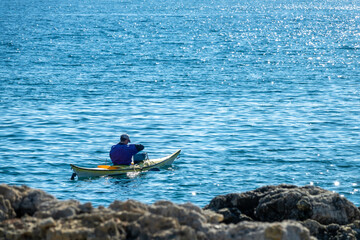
<point x="112" y="167"/>
<point x="73" y="176"/>
<point x="107" y="167"/>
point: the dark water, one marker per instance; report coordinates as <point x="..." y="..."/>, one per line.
<point x="253" y="92"/>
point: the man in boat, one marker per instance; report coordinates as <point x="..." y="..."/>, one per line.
<point x="122" y="153"/>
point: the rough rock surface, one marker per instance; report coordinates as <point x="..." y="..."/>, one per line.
<point x="282" y="202"/>
<point x="27" y="213"/>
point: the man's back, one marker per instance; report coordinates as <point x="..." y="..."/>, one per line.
<point x="121" y="154"/>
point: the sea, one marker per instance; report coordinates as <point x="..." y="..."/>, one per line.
<point x="254" y="93"/>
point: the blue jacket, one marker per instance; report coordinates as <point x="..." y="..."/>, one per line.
<point x="120" y="154"/>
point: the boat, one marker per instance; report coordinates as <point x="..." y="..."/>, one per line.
<point x="114" y="170"/>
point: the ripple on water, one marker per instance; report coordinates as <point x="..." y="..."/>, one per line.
<point x="253" y="94"/>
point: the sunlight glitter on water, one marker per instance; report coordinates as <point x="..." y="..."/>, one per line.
<point x="254" y="93"/>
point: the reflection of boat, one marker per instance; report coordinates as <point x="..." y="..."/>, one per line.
<point x="107" y="170"/>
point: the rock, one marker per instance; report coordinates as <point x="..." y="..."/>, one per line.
<point x="183" y="215"/>
<point x="153" y="223"/>
<point x="57" y="209"/>
<point x="33" y="214"/>
<point x="6" y="210"/>
<point x="213" y="217"/>
<point x="282" y="202"/>
<point x="307" y="202"/>
<point x="86" y="208"/>
<point x="13" y="193"/>
<point x="47" y="223"/>
<point x="31" y="201"/>
<point x="261" y="231"/>
<point x="129" y="205"/>
<point x="110" y="229"/>
<point x="245" y="202"/>
<point x="233" y="215"/>
<point x="316" y="229"/>
<point x="333" y="231"/>
<point x="23" y="200"/>
<point x="10" y="198"/>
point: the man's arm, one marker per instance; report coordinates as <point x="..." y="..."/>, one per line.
<point x="139" y="147"/>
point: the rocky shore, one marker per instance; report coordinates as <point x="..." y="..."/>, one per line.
<point x="269" y="212"/>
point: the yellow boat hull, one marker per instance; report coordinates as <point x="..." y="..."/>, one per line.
<point x="105" y="170"/>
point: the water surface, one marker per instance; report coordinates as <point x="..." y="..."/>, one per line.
<point x="253" y="92"/>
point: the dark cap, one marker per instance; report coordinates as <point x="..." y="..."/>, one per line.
<point x="124" y="137"/>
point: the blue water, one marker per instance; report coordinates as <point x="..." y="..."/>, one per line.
<point x="253" y="92"/>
